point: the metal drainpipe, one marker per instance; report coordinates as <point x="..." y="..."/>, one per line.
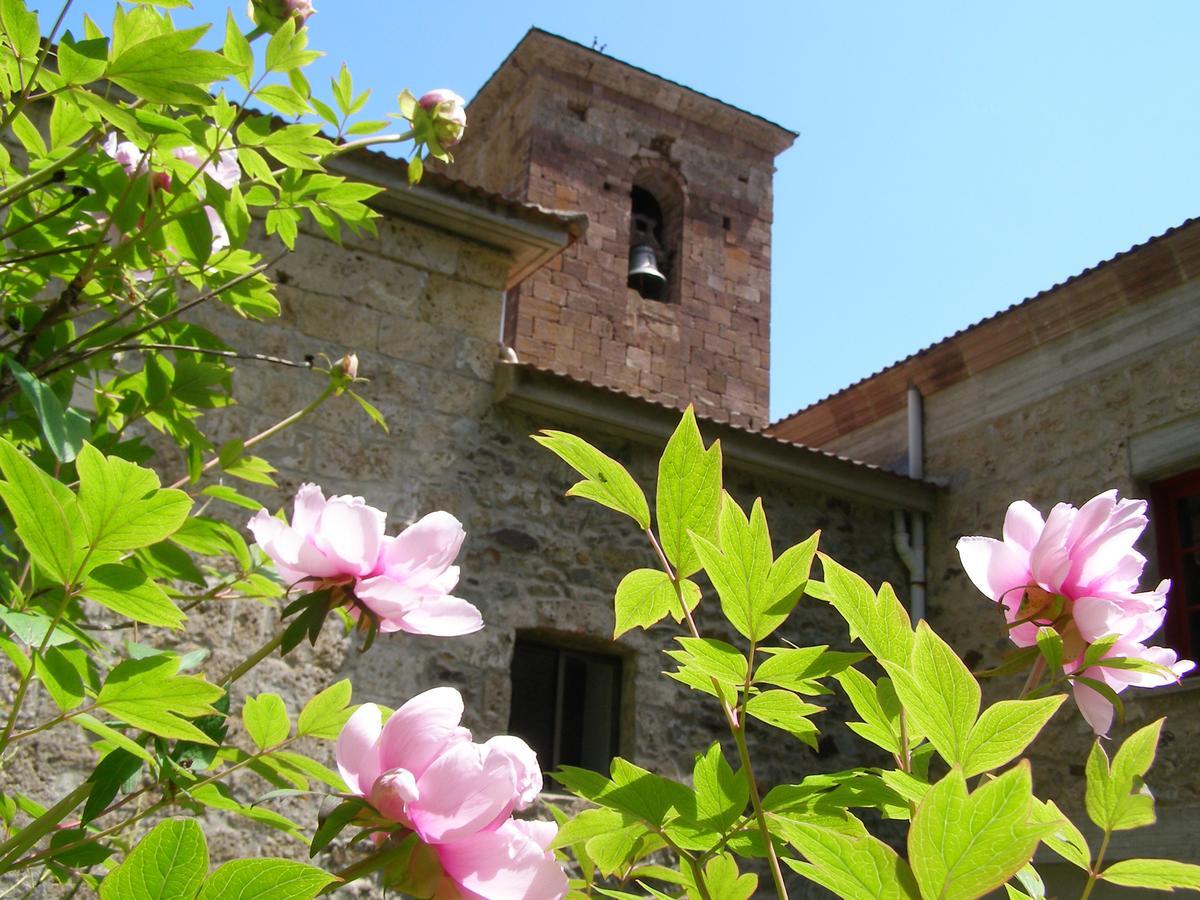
<point x="911" y="547"/>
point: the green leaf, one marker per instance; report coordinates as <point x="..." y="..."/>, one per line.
<point x="125" y="590"/>
<point x="81" y="61"/>
<point x="148" y="694"/>
<point x="605" y="480"/>
<point x="725" y="881"/>
<point x="1117" y="799"/>
<point x="168" y="863"/>
<point x="688" y="494"/>
<point x="372" y="412"/>
<point x="229" y="495"/>
<point x="939" y="694"/>
<point x="237" y="50"/>
<point x="1066" y="840"/>
<point x="114" y="737"/>
<point x="283" y="98"/>
<point x="742" y="570"/>
<point x="799" y="668"/>
<point x="31" y="628"/>
<point x="721" y="793"/>
<point x="325" y="714"/>
<point x="112" y="773"/>
<point x="45" y="512"/>
<point x="1005" y="730"/>
<point x="713" y="658"/>
<point x="855" y="868"/>
<point x="121" y="505"/>
<point x="266" y="720"/>
<point x="163" y="70"/>
<point x="961" y="846"/>
<point x="647" y="596"/>
<point x="878" y="706"/>
<point x="265" y="879"/>
<point x="1050" y="644"/>
<point x="65" y="430"/>
<point x="878" y="620"/>
<point x="20" y="29"/>
<point x="65" y="673"/>
<point x="785" y="710"/>
<point x="1158" y="874"/>
<point x="331" y="825"/>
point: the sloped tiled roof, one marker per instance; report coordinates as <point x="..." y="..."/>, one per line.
<point x="1126" y="279"/>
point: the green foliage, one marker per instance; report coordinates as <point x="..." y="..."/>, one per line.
<point x="963" y="845"/>
<point x="647" y="596"/>
<point x="689" y="494"/>
<point x="172" y="862"/>
<point x="604" y="479"/>
<point x="1117" y="798"/>
<point x="960" y="843"/>
<point x="1156" y="874"/>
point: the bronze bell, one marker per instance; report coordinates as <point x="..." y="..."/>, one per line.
<point x="644" y="276"/>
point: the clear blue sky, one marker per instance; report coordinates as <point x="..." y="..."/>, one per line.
<point x="953" y="157"/>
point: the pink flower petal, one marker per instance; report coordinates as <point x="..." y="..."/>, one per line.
<point x="1096" y="710"/>
<point x="421" y="729"/>
<point x="357" y="750"/>
<point x="307" y="509"/>
<point x="527" y="772"/>
<point x="505" y="864"/>
<point x="440" y="617"/>
<point x="387" y="598"/>
<point x="463" y="790"/>
<point x="351" y="532"/>
<point x="1022" y="525"/>
<point x="427" y="546"/>
<point x="996" y="568"/>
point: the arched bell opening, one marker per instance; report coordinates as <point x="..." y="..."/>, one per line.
<point x="655" y="226"/>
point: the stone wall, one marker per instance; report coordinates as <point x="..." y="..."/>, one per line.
<point x="419" y="307"/>
<point x="1066" y="421"/>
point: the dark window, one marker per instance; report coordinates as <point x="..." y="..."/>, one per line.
<point x="1175" y="505"/>
<point x="566" y="704"/>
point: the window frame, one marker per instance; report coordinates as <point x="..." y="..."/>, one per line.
<point x="1164" y="499"/>
<point x="564" y="650"/>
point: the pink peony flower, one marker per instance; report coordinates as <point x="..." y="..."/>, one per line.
<point x="448" y="112"/>
<point x="1078" y="572"/>
<point x="225" y="170"/>
<point x="126" y="154"/>
<point x="422" y="770"/>
<point x="404" y="581"/>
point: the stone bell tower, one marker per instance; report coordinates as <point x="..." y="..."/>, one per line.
<point x="667" y="296"/>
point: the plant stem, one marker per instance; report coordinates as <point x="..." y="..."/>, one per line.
<point x="1094" y="871"/>
<point x="253" y="660"/>
<point x="108" y="832"/>
<point x="45" y="726"/>
<point x="23" y="687"/>
<point x="1035" y="675"/>
<point x="43" y="824"/>
<point x="737" y="725"/>
<point x="206" y="351"/>
<point x="36" y="179"/>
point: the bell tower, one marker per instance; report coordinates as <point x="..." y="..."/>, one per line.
<point x="667" y="296"/>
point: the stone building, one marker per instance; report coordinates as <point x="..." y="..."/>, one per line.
<point x="1092" y="384"/>
<point x="482" y="314"/>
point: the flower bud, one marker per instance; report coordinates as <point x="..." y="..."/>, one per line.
<point x="448" y="113"/>
<point x="271" y="14"/>
<point x="349" y="365"/>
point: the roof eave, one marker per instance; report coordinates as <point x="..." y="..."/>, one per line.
<point x="566" y="401"/>
<point x="530" y="240"/>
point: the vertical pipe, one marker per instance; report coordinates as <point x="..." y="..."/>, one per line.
<point x="916" y="469"/>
